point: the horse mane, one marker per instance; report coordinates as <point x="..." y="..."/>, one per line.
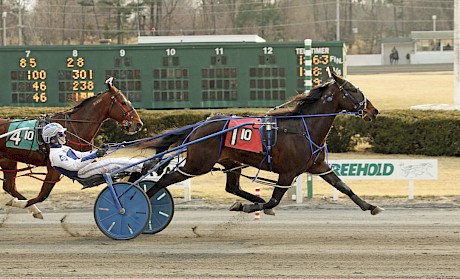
<point x="84" y="103"/>
<point x="312" y="96"/>
<point x="302" y="99"/>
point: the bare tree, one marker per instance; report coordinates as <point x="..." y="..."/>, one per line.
<point x="84" y="21"/>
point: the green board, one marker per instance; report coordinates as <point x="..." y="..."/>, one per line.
<point x="161" y="76"/>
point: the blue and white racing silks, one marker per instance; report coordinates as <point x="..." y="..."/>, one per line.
<point x="68" y="161"/>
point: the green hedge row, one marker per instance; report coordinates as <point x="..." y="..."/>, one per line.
<point x="433" y="133"/>
<point x="394" y="132"/>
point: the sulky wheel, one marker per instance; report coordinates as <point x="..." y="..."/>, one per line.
<point x="128" y="222"/>
<point x="162" y="208"/>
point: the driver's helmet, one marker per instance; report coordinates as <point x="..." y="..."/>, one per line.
<point x="52" y="133"/>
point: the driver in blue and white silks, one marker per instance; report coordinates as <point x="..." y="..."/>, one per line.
<point x="76" y="164"/>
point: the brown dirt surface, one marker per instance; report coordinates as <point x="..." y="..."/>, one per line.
<point x="323" y="241"/>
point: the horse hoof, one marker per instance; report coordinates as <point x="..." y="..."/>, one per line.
<point x="377" y="210"/>
<point x="236" y="206"/>
<point x="269" y="211"/>
<point x="38" y="215"/>
<point x="10" y="203"/>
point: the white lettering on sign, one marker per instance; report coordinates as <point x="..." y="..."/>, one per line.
<point x="416" y="169"/>
<point x="335" y="59"/>
<point x="320" y="50"/>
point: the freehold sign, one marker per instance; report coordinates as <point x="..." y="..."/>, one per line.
<point x="396" y="169"/>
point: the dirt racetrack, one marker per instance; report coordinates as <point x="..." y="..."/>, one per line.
<point x="324" y="241"/>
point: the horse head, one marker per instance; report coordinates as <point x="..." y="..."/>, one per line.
<point x="122" y="110"/>
<point x="353" y="99"/>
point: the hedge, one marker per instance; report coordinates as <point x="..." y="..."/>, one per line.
<point x="431" y="133"/>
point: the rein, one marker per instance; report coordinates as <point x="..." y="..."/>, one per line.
<point x="127" y="116"/>
<point x="126" y="113"/>
<point x="360" y="106"/>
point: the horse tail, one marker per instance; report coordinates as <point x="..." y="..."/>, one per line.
<point x="170" y="137"/>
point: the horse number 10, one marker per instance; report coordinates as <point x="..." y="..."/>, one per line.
<point x="246" y="135"/>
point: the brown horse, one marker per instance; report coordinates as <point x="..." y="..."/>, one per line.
<point x="82" y="123"/>
<point x="300" y="147"/>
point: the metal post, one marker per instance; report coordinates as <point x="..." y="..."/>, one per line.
<point x="337" y="11"/>
<point x="20" y="25"/>
<point x="138" y="21"/>
<point x="307" y="66"/>
<point x="457" y="53"/>
<point x="411" y="189"/>
<point x="309" y="186"/>
<point x="4" y="27"/>
<point x="434" y="22"/>
<point x="298" y="190"/>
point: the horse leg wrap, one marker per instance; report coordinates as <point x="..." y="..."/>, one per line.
<point x="17" y="203"/>
<point x="364" y="205"/>
<point x="33" y="209"/>
<point x="248" y="208"/>
<point x="342" y="187"/>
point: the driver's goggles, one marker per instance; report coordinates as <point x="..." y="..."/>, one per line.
<point x="61" y="134"/>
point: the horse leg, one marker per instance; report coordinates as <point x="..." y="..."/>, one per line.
<point x="166" y="180"/>
<point x="335" y="181"/>
<point x="51" y="178"/>
<point x="277" y="195"/>
<point x="9" y="168"/>
<point x="233" y="187"/>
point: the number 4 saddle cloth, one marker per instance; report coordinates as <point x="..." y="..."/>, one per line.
<point x="23" y="134"/>
<point x="258" y="135"/>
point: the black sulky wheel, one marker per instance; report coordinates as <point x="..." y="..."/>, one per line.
<point x="162" y="208"/>
<point x="133" y="217"/>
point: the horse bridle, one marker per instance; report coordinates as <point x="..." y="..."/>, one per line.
<point x="127" y="114"/>
<point x="360" y="106"/>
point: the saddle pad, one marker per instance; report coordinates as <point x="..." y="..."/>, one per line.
<point x="22" y="139"/>
<point x="246" y="137"/>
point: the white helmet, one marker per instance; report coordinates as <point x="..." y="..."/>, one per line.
<point x="51" y="131"/>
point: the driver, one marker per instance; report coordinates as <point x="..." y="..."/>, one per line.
<point x="76" y="164"/>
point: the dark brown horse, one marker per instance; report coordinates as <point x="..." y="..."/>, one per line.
<point x="82" y="123"/>
<point x="300" y="146"/>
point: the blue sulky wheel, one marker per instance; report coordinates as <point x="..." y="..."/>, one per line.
<point x="162" y="208"/>
<point x="128" y="222"/>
